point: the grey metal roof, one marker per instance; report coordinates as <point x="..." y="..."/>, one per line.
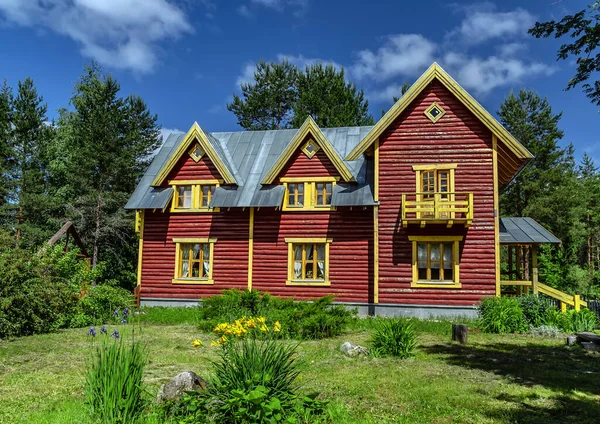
<point x="524" y="231"/>
<point x="249" y="155"/>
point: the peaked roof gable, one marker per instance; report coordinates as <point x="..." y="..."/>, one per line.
<point x="308" y="127"/>
<point x="435" y="71"/>
<point x="212" y="148"/>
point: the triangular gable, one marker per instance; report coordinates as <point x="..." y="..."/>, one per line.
<point x="308" y="127"/>
<point x="435" y="71"/>
<point x="195" y="133"/>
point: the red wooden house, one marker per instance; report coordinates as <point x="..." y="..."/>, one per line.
<point x="401" y="216"/>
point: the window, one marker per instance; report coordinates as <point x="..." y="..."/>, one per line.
<point x="308" y="195"/>
<point x="308" y="261"/>
<point x="193" y="196"/>
<point x="193" y="261"/>
<point x="435" y="183"/>
<point x="434" y="112"/>
<point x="435" y="261"/>
<point x="310" y="148"/>
<point x="196" y="152"/>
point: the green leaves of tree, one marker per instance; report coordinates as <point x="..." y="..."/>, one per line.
<point x="282" y="96"/>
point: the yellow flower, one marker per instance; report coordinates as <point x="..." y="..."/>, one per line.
<point x="214" y="343"/>
<point x="277" y="327"/>
<point x="251" y="323"/>
<point x="222" y="340"/>
<point x="197" y="343"/>
<point x="261" y="320"/>
<point x="264" y="328"/>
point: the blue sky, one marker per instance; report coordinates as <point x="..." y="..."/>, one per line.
<point x="186" y="58"/>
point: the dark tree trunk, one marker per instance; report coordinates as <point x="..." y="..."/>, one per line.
<point x="459" y="333"/>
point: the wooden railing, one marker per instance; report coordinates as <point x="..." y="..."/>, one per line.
<point x="439" y="208"/>
<point x="564" y="298"/>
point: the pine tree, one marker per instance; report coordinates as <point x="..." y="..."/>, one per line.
<point x="102" y="148"/>
<point x="267" y="101"/>
<point x="29" y="136"/>
<point x="324" y="94"/>
<point x="589" y="175"/>
<point x="6" y="155"/>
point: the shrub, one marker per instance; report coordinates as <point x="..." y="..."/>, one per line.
<point x="300" y="320"/>
<point x="38" y="292"/>
<point x="576" y="321"/>
<point x="394" y="337"/>
<point x="537" y="310"/>
<point x="501" y="315"/>
<point x="113" y="381"/>
<point x="545" y="331"/>
<point x="98" y="303"/>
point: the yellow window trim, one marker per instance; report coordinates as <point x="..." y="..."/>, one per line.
<point x="435" y="71"/>
<point x="432" y="118"/>
<point x="308" y="127"/>
<point x="193" y="154"/>
<point x="178" y="257"/>
<point x="291" y="281"/>
<point x="195" y="134"/>
<point x="310" y="193"/>
<point x="196" y="184"/>
<point x="415" y="282"/>
<point x="434" y="166"/>
<point x="307" y="152"/>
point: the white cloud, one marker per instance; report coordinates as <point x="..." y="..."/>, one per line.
<point x="273" y="4"/>
<point x="482" y="25"/>
<point x="122" y="34"/>
<point x="300" y="6"/>
<point x="244" y="11"/>
<point x="402" y="54"/>
<point x="482" y="75"/>
<point x="511" y="49"/>
<point x="165" y="132"/>
<point x="247" y="75"/>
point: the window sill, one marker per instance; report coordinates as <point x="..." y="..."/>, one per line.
<point x="434" y="285"/>
<point x="195" y="210"/>
<point x="308" y="208"/>
<point x="192" y="281"/>
<point x="317" y="283"/>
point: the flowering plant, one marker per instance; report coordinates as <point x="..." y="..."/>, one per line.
<point x="254" y="327"/>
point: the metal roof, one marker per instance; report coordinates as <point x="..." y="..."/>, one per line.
<point x="524" y="231"/>
<point x="249" y="155"/>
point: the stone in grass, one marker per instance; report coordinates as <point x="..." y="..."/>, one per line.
<point x="590" y="346"/>
<point x="571" y="340"/>
<point x="185" y="382"/>
<point x="352" y="350"/>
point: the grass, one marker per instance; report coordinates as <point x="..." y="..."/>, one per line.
<point x="493" y="379"/>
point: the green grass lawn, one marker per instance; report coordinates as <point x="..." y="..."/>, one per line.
<point x="511" y="378"/>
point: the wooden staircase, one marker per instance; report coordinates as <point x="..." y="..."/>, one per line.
<point x="564" y="298"/>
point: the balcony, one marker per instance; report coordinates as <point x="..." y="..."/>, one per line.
<point x="437" y="208"/>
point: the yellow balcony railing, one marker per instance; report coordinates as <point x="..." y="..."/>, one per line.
<point x="437" y="208"/>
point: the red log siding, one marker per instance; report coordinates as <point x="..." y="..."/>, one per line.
<point x="458" y="137"/>
<point x="188" y="169"/>
<point x="230" y="260"/>
<point x="300" y="165"/>
<point x="350" y="252"/>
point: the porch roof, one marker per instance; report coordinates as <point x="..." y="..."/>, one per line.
<point x="524" y="231"/>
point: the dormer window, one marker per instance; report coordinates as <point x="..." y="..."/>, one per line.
<point x="308" y="193"/>
<point x="193" y="196"/>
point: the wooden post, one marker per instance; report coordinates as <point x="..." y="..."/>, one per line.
<point x="563" y="307"/>
<point x="518" y="269"/>
<point x="576" y="301"/>
<point x="534" y="265"/>
<point x="459" y="333"/>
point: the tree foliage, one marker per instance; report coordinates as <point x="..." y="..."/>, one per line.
<point x="282" y="96"/>
<point x="584" y="28"/>
<point x="324" y="94"/>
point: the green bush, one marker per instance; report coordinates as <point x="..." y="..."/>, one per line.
<point x="113" y="381"/>
<point x="394" y="337"/>
<point x="98" y="304"/>
<point x="537" y="310"/>
<point x="39" y="292"/>
<point x="501" y="315"/>
<point x="574" y="321"/>
<point x="299" y="319"/>
<point x="548" y="331"/>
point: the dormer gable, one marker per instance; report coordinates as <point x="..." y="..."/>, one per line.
<point x="200" y="148"/>
<point x="310" y="142"/>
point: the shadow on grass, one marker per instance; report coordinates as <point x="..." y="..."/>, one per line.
<point x="571" y="373"/>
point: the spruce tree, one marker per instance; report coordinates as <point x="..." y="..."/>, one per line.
<point x="324" y="94"/>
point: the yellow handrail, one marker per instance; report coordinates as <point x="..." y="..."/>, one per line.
<point x="436" y="206"/>
<point x="564" y="298"/>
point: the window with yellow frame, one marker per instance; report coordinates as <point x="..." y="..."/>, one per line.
<point x="308" y="261"/>
<point x="435" y="261"/>
<point x="435" y="180"/>
<point x="193" y="195"/>
<point x="308" y="193"/>
<point x="194" y="260"/>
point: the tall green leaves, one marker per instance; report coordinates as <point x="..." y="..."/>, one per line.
<point x="282" y="96"/>
<point x="103" y="145"/>
<point x="267" y="102"/>
<point x="324" y="94"/>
